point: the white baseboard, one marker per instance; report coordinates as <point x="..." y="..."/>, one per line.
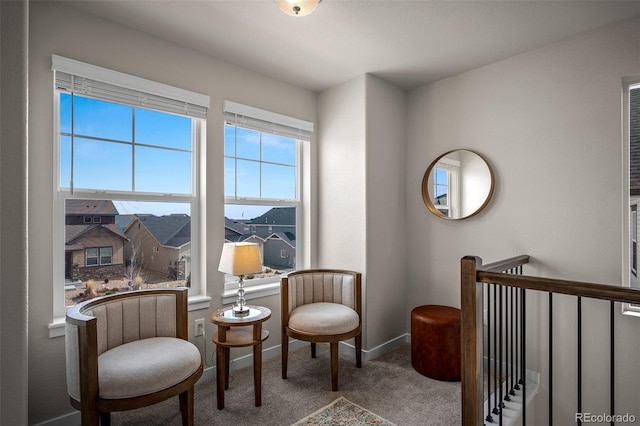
<point x="209" y="373"/>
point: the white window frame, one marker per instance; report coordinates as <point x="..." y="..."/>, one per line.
<point x="261" y="287"/>
<point x="198" y="298"/>
<point x="628" y="84"/>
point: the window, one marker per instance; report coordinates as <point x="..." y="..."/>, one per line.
<point x="441" y="190"/>
<point x="127" y="179"/>
<point x="631" y="143"/>
<point x="446" y="187"/>
<point x="98" y="256"/>
<point x="91" y="256"/>
<point x="262" y="186"/>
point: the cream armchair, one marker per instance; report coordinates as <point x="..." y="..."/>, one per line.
<point x="130" y="350"/>
<point x="322" y="305"/>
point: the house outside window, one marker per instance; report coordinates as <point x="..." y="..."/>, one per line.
<point x="263" y="187"/>
<point x="123" y="154"/>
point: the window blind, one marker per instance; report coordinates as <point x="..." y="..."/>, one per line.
<point x="103" y="84"/>
<point x="266" y="121"/>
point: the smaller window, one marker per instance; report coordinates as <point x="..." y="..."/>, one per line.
<point x="106" y="254"/>
<point x="91" y="256"/>
<point x="87" y="219"/>
<point x="97" y="219"/>
<point x="283" y="254"/>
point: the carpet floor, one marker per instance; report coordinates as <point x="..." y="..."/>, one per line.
<point x="387" y="386"/>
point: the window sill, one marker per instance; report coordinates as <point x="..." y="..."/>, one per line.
<point x="56" y="328"/>
<point x="252" y="292"/>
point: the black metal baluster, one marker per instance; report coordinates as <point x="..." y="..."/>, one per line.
<point x="579" y="420"/>
<point x="550" y="359"/>
<point x="612" y="361"/>
<point x="495" y="350"/>
<point x="500" y="317"/>
<point x="489" y="418"/>
<point x="517" y="342"/>
<point x="512" y="392"/>
<point x="507" y="330"/>
<point x="523" y="300"/>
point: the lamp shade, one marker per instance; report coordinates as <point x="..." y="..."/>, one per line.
<point x="297" y="7"/>
<point x="240" y="259"/>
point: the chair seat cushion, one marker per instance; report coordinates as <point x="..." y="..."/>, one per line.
<point x="323" y="318"/>
<point x="145" y="366"/>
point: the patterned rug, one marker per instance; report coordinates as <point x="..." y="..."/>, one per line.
<point x="343" y="412"/>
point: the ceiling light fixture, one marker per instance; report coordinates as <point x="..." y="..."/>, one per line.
<point x="298" y="7"/>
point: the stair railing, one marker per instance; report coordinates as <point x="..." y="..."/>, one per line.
<point x="503" y="345"/>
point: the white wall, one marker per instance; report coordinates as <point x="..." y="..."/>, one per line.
<point x="386" y="230"/>
<point x="55" y="29"/>
<point x="342" y="173"/>
<point x="14" y="48"/>
<point x="549" y="122"/>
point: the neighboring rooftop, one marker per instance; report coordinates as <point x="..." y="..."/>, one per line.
<point x="170" y="230"/>
<point x="90" y="207"/>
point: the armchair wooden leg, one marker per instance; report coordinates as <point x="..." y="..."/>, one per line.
<point x="285" y="352"/>
<point x="334" y="366"/>
<point x="313" y="349"/>
<point x="186" y="407"/>
<point x="358" y="350"/>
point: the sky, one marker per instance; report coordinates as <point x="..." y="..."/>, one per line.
<point x="152" y="152"/>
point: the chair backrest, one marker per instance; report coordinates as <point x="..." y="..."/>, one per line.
<point x="322" y="285"/>
<point x="97" y="325"/>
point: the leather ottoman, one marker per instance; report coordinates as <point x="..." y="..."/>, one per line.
<point x="435" y="342"/>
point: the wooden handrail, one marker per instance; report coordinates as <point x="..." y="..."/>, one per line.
<point x="573" y="288"/>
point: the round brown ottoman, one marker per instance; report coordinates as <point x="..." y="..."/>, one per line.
<point x="435" y="341"/>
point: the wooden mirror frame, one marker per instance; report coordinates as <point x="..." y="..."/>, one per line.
<point x="426" y="197"/>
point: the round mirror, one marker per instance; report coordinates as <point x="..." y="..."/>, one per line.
<point x="457" y="185"/>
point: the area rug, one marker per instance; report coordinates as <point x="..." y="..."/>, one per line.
<point x="343" y="412"/>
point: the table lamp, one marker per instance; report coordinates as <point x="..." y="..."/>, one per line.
<point x="240" y="259"/>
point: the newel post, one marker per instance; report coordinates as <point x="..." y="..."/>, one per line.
<point x="471" y="335"/>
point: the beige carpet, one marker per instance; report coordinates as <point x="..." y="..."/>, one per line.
<point x="387" y="386"/>
<point x="343" y="412"/>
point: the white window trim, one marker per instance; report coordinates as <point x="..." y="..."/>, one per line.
<point x="199" y="299"/>
<point x="627" y="85"/>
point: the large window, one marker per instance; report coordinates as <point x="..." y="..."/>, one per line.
<point x="262" y="181"/>
<point x="127" y="184"/>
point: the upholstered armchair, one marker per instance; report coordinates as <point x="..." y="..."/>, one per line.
<point x="130" y="350"/>
<point x="322" y="305"/>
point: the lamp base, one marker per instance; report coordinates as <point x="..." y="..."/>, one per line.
<point x="240" y="311"/>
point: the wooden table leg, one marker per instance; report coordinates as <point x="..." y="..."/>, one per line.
<point x="257" y="372"/>
<point x="220" y="375"/>
<point x="226" y="367"/>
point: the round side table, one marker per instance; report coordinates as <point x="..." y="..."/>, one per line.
<point x="238" y="332"/>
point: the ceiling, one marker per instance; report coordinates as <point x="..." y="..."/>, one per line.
<point x="407" y="43"/>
